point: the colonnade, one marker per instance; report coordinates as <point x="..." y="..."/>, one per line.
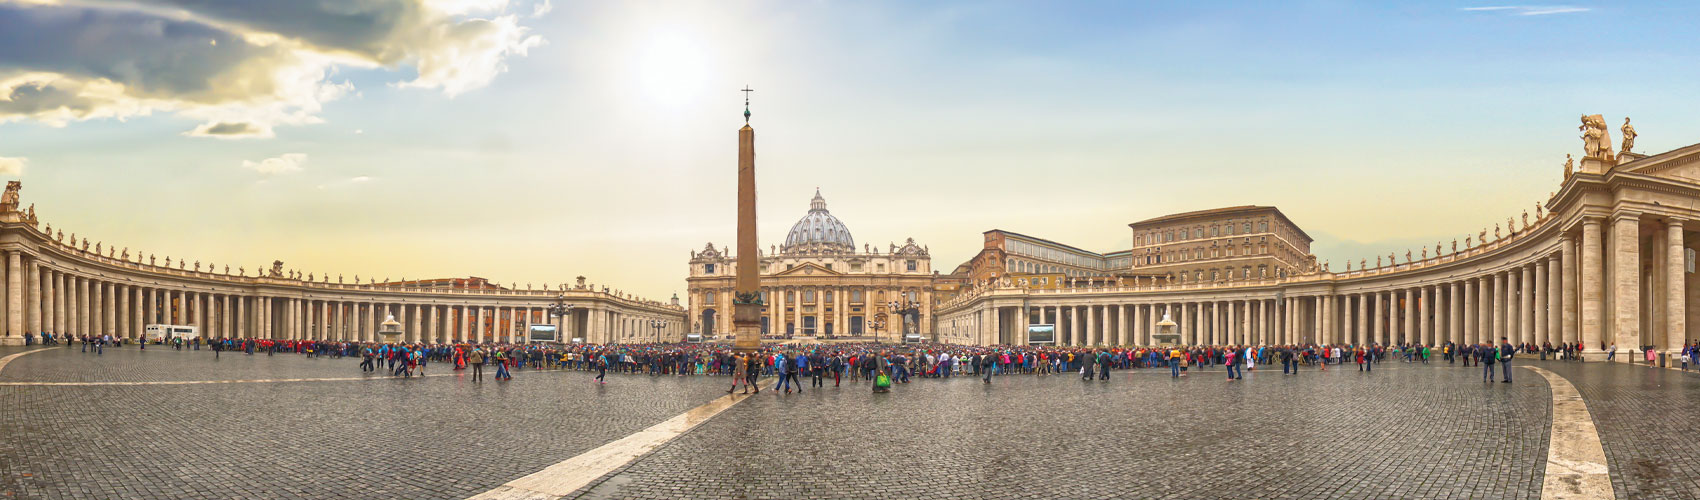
<point x="1546" y="285"/>
<point x="49" y="287"/>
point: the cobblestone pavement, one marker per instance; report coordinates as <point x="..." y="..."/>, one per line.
<point x="1405" y="431"/>
<point x="1648" y="420"/>
<point x="439" y="437"/>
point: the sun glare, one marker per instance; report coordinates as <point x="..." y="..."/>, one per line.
<point x="672" y="69"/>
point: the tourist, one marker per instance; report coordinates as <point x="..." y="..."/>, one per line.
<point x="1506" y="352"/>
<point x="1611" y="352"/>
<point x="502" y="360"/>
<point x="985" y="368"/>
<point x="1233" y="366"/>
<point x="738" y="373"/>
<point x="477" y="359"/>
<point x="1486" y="356"/>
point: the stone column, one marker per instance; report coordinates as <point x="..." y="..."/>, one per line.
<point x="1539" y="310"/>
<point x="1567" y="290"/>
<point x="1497" y="316"/>
<point x="33" y="305"/>
<point x="83" y="307"/>
<point x="1455" y="314"/>
<point x="1407" y="333"/>
<point x="1592" y="277"/>
<point x="1676" y="291"/>
<point x="1555" y="312"/>
<point x="1380" y="311"/>
<point x="1484" y="310"/>
<point x="14" y="295"/>
<point x="1626" y="297"/>
<point x="1472" y="315"/>
<point x="1363" y="319"/>
<point x="109" y="310"/>
<point x="1526" y="305"/>
<point x="478" y="324"/>
<point x="1090" y="333"/>
<point x="1425" y="308"/>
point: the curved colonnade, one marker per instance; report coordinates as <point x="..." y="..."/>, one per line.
<point x="58" y="288"/>
<point x="1607" y="262"/>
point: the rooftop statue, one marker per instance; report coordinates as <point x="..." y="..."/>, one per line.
<point x="1569" y="166"/>
<point x="9" y="201"/>
<point x="1596" y="141"/>
<point x="1628" y="135"/>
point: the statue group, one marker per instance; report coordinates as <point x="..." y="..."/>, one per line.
<point x="1596" y="140"/>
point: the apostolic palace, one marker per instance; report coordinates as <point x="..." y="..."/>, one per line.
<point x="1603" y="262"/>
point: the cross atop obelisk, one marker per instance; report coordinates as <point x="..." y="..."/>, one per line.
<point x="746" y="92"/>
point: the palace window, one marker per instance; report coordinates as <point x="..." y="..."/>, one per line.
<point x="879" y="267"/>
<point x="829" y="266"/>
<point x="808" y="296"/>
<point x="1263" y="227"/>
<point x="789" y="266"/>
<point x="1215" y="231"/>
<point x="790" y="296"/>
<point x="829" y="295"/>
<point x="708" y="268"/>
<point x="708" y="299"/>
<point x="855" y="295"/>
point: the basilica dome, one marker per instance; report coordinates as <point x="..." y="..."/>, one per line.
<point x="819" y="231"/>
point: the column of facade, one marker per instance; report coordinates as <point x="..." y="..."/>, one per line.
<point x="1569" y="285"/>
<point x="1526" y="306"/>
<point x="1426" y="326"/>
<point x="1497" y="316"/>
<point x="1676" y="307"/>
<point x="14" y="294"/>
<point x="1484" y="305"/>
<point x="1539" y="303"/>
<point x="1626" y="276"/>
<point x="32" y="296"/>
<point x="1555" y="292"/>
<point x="1455" y="314"/>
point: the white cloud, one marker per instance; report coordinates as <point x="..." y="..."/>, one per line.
<point x="13" y="166"/>
<point x="283" y="164"/>
<point x="240" y="67"/>
<point x="542" y="8"/>
<point x="1529" y="10"/>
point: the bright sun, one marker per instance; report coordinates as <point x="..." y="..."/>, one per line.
<point x="672" y="69"/>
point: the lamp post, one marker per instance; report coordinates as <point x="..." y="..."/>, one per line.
<point x="878" y="323"/>
<point x="560" y="309"/>
<point x="904" y="308"/>
<point x="657" y="324"/>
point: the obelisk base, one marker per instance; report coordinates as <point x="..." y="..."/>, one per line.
<point x="746" y="323"/>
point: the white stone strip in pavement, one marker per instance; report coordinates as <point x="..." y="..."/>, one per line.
<point x="1576" y="462"/>
<point x="561" y="479"/>
<point x="8" y="359"/>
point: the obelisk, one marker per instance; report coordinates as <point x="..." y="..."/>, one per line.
<point x="746" y="292"/>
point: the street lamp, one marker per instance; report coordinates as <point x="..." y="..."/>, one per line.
<point x="560" y="309"/>
<point x="904" y="309"/>
<point x="879" y="322"/>
<point x="657" y="324"/>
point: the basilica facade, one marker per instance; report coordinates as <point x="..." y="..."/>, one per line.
<point x="818" y="284"/>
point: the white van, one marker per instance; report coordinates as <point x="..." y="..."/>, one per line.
<point x="164" y="333"/>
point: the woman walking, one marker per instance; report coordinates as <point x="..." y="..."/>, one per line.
<point x="739" y="372"/>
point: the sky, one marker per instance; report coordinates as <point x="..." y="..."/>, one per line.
<point x="532" y="141"/>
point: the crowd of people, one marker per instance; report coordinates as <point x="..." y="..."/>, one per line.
<point x="876" y="363"/>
